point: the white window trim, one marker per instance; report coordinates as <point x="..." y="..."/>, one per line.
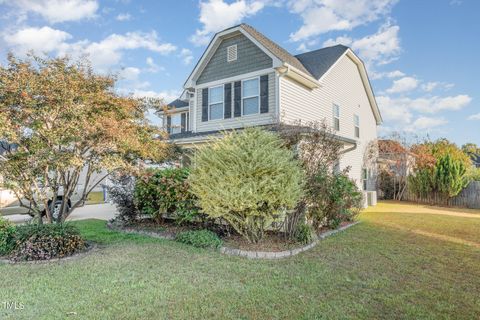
<point x="258" y="95"/>
<point x="364" y="179"/>
<point x="355" y="117"/>
<point x="334" y="107"/>
<point x="210" y="102"/>
<point x="236" y="53"/>
<point x="179" y="114"/>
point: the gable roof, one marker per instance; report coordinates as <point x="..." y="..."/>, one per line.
<point x="177" y="103"/>
<point x="318" y="62"/>
<point x="308" y="67"/>
<point x="275" y="49"/>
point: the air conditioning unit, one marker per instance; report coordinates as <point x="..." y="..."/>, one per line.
<point x="371" y="198"/>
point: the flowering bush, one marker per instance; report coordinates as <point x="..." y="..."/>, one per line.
<point x="166" y="191"/>
<point x="48" y="241"/>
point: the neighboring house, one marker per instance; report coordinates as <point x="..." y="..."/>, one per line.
<point x="245" y="79"/>
<point x="475" y="160"/>
<point x="394" y="157"/>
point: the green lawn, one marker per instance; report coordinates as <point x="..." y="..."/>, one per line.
<point x="95" y="198"/>
<point x="401" y="262"/>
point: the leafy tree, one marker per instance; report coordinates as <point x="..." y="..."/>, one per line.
<point x="248" y="179"/>
<point x="440" y="167"/>
<point x="450" y="176"/>
<point x="63" y="119"/>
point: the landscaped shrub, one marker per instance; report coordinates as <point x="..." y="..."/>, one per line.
<point x="121" y="192"/>
<point x="248" y="179"/>
<point x="318" y="150"/>
<point x="166" y="191"/>
<point x="305" y="233"/>
<point x="7" y="236"/>
<point x="337" y="199"/>
<point x="47" y="241"/>
<point x="199" y="238"/>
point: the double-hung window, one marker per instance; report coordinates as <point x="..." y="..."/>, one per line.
<point x="356" y="123"/>
<point x="336" y="117"/>
<point x="251" y="96"/>
<point x="215" y="107"/>
<point x="364" y="178"/>
<point x="176" y="123"/>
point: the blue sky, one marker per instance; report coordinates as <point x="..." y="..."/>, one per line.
<point x="421" y="55"/>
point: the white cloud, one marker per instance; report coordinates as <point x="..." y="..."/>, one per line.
<point x="109" y="51"/>
<point x="105" y="53"/>
<point x="123" y="17"/>
<point x="56" y="11"/>
<point x="403" y="85"/>
<point x="474" y="117"/>
<point x="186" y="55"/>
<point x="430" y="86"/>
<point x="216" y="15"/>
<point x="395" y="74"/>
<point x="321" y="16"/>
<point x="41" y="40"/>
<point x="152" y="66"/>
<point x="426" y="123"/>
<point x="346" y="41"/>
<point x="394" y="110"/>
<point x="379" y="48"/>
<point x="400" y="109"/>
<point x="130" y="73"/>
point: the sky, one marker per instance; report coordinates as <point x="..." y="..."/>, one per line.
<point x="421" y="56"/>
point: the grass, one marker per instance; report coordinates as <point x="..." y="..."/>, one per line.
<point x="402" y="261"/>
<point x="95" y="198"/>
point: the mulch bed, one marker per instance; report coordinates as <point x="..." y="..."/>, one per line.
<point x="273" y="242"/>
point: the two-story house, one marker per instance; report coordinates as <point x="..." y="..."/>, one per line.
<point x="245" y="79"/>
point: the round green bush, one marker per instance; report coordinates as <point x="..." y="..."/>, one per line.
<point x="199" y="238"/>
<point x="7" y="236"/>
<point x="166" y="191"/>
<point x="248" y="179"/>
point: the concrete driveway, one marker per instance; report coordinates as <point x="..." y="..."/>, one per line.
<point x="104" y="211"/>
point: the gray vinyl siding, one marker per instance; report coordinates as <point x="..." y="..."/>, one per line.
<point x="250" y="58"/>
<point x="243" y="121"/>
<point x="342" y="86"/>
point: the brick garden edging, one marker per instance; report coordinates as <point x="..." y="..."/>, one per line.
<point x="282" y="254"/>
<point x="239" y="252"/>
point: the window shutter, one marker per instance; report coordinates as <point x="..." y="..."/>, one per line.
<point x="169" y="124"/>
<point x="183" y="122"/>
<point x="238" y="99"/>
<point x="204" y="104"/>
<point x="228" y="101"/>
<point x="264" y="94"/>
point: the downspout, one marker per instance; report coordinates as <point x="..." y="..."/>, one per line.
<point x="349" y="149"/>
<point x="279" y="95"/>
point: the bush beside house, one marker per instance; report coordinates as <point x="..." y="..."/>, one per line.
<point x="251" y="182"/>
<point x="247" y="179"/>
